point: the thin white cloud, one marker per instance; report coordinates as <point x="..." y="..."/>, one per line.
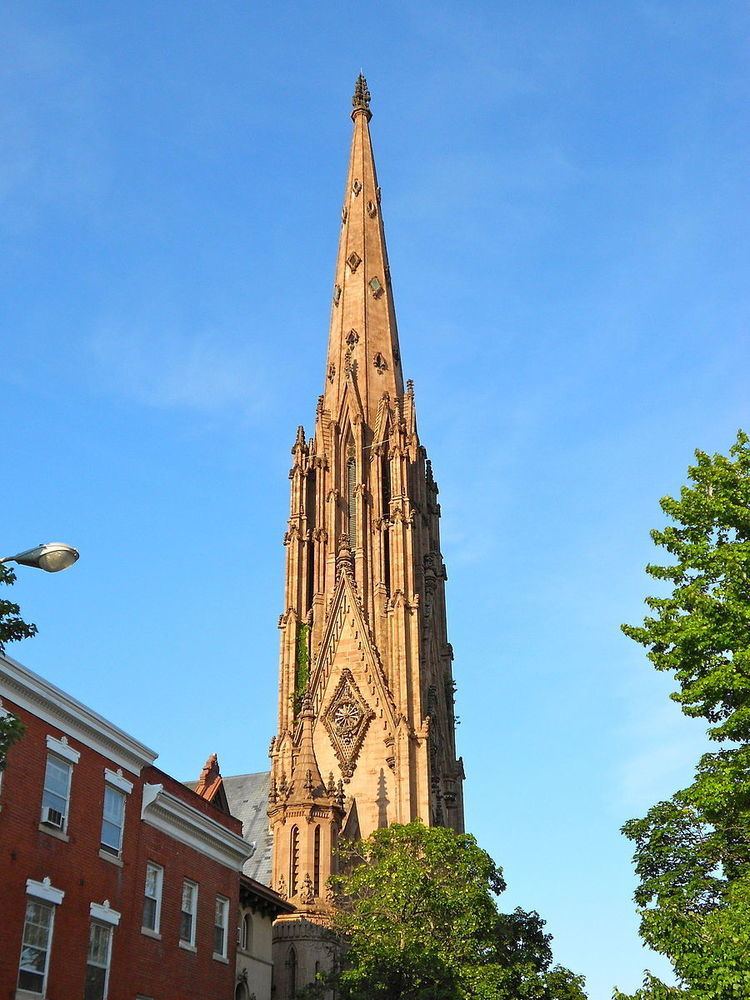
<point x="661" y="749"/>
<point x="199" y="371"/>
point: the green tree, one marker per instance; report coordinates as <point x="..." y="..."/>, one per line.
<point x="12" y="629"/>
<point x="418" y="914"/>
<point x="692" y="852"/>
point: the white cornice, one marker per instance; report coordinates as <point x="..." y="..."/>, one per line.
<point x="63" y="749"/>
<point x="44" y="890"/>
<point x="116" y="778"/>
<point x="171" y="815"/>
<point x="48" y="702"/>
<point x="104" y="913"/>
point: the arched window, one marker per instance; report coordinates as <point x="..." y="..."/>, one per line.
<point x="241" y="992"/>
<point x="293" y="861"/>
<point x="316" y="862"/>
<point x="292" y="963"/>
<point x="351" y="498"/>
<point x="246" y="933"/>
<point x="385" y="500"/>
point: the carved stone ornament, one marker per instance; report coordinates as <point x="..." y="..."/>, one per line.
<point x="372" y="210"/>
<point x="307" y="894"/>
<point x="336" y="294"/>
<point x="331" y="373"/>
<point x="353" y="260"/>
<point x="356" y="188"/>
<point x="380" y="363"/>
<point x="351" y="338"/>
<point x="347" y="718"/>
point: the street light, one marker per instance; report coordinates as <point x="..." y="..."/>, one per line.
<point x="51" y="557"/>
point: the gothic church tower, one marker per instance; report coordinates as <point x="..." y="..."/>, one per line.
<point x="366" y="730"/>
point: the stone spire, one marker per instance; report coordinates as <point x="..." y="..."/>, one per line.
<point x="305" y="773"/>
<point x="363" y="350"/>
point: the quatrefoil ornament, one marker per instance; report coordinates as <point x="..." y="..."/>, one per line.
<point x="346" y="719"/>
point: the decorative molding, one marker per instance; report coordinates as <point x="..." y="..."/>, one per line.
<point x="63" y="749"/>
<point x="46" y="701"/>
<point x="104" y="913"/>
<point x="116" y="778"/>
<point x="172" y="816"/>
<point x="44" y="890"/>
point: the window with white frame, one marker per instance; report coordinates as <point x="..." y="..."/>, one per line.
<point x="97" y="965"/>
<point x="188" y="913"/>
<point x="35" y="947"/>
<point x="152" y="897"/>
<point x="113" y="820"/>
<point x="56" y="794"/>
<point x="221" y="920"/>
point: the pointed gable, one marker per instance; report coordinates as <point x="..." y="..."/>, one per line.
<point x="210" y="785"/>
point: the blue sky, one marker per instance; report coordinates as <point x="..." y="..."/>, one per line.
<point x="565" y="192"/>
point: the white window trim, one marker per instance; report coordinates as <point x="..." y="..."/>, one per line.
<point x="48" y="952"/>
<point x="102" y="846"/>
<point x="44" y="890"/>
<point x="194" y="913"/>
<point x="96" y="919"/>
<point x="66" y="817"/>
<point x="156" y="930"/>
<point x="104" y="913"/>
<point x="116" y="779"/>
<point x="63" y="749"/>
<point x="225" y="951"/>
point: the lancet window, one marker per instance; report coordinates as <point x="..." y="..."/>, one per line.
<point x="294" y="861"/>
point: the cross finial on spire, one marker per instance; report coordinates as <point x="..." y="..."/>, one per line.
<point x="361" y="99"/>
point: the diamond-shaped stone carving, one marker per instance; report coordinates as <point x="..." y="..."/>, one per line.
<point x="351" y="338"/>
<point x="353" y="260"/>
<point x="356" y="188"/>
<point x="347" y="717"/>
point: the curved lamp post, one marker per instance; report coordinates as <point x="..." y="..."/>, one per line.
<point x="51" y="557"/>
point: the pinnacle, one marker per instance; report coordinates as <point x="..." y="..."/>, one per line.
<point x="361" y="98"/>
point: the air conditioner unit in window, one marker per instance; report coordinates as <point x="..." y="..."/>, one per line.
<point x="53" y="817"/>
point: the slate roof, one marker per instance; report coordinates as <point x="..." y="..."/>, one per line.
<point x="247" y="795"/>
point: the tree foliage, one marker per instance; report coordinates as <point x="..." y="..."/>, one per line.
<point x="417" y="911"/>
<point x="692" y="852"/>
<point x="12" y="629"/>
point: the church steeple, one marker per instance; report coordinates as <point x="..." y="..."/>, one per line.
<point x="363" y="350"/>
<point x="366" y="680"/>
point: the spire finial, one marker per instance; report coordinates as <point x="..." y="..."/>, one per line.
<point x="361" y="99"/>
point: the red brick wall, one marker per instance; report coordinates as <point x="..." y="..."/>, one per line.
<point x="159" y="969"/>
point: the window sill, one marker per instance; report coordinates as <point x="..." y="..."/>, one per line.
<point x="58" y="835"/>
<point x="26" y="995"/>
<point x="112" y="858"/>
<point x="187" y="946"/>
<point x="147" y="932"/>
<point x="220" y="958"/>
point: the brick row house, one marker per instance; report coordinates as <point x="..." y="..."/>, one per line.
<point x="117" y="882"/>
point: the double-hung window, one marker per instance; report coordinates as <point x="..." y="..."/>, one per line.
<point x="188" y="913"/>
<point x="36" y="942"/>
<point x="56" y="795"/>
<point x="221" y="920"/>
<point x="97" y="965"/>
<point x="113" y="820"/>
<point x="152" y="897"/>
<point x="35" y="949"/>
<point x="116" y="789"/>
